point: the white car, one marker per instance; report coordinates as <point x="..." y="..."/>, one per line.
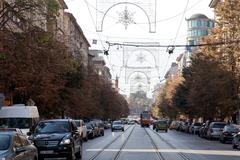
<point x="82" y="129"/>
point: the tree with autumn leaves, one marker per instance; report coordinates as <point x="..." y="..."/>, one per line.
<point x="35" y="65"/>
<point x="210" y="86"/>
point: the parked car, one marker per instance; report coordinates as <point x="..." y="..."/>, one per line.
<point x="180" y="126"/>
<point x="100" y="128"/>
<point x="15" y="146"/>
<point x="228" y="132"/>
<point x="96" y="128"/>
<point x="195" y="127"/>
<point x="185" y="127"/>
<point x="215" y="129"/>
<point x="90" y="131"/>
<point x="174" y="125"/>
<point x="82" y="129"/>
<point x="204" y="129"/>
<point x="57" y="138"/>
<point x="107" y="125"/>
<point x="117" y="125"/>
<point x="160" y="125"/>
<point x="236" y="141"/>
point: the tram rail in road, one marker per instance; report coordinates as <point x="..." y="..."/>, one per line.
<point x="159" y="154"/>
<point x="123" y="145"/>
<point x="95" y="156"/>
<point x="182" y="155"/>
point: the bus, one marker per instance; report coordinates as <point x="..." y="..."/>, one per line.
<point x="19" y="116"/>
<point x="145" y="119"/>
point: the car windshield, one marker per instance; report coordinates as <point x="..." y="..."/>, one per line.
<point x="145" y="115"/>
<point x="53" y="127"/>
<point x="218" y="125"/>
<point x="89" y="126"/>
<point x="117" y="123"/>
<point x="231" y="128"/>
<point x="22" y="123"/>
<point x="162" y="122"/>
<point x="4" y="142"/>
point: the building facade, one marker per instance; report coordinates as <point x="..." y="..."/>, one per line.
<point x="198" y="27"/>
<point x="75" y="39"/>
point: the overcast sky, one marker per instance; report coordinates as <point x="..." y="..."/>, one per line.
<point x="169" y="14"/>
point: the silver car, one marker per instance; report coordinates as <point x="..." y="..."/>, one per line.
<point x="117" y="125"/>
<point x="215" y="129"/>
<point x="236" y="141"/>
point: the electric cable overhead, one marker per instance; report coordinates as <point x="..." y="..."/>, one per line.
<point x="171" y="49"/>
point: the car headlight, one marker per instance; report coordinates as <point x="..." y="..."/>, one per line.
<point x="65" y="141"/>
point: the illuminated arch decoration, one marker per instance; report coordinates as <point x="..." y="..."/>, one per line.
<point x="147" y="6"/>
<point x="146" y="70"/>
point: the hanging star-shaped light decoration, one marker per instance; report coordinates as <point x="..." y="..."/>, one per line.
<point x="138" y="78"/>
<point x="126" y="18"/>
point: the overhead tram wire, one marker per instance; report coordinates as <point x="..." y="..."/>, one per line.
<point x="170" y="51"/>
<point x="99" y="36"/>
<point x="176" y="45"/>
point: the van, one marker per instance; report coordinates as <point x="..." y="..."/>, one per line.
<point x="19" y="116"/>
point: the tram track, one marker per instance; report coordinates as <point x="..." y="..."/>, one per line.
<point x="182" y="155"/>
<point x="158" y="154"/>
<point x="96" y="155"/>
<point x="123" y="145"/>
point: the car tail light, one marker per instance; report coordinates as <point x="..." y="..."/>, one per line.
<point x="225" y="133"/>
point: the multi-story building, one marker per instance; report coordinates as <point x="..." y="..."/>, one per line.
<point x="198" y="27"/>
<point x="56" y="25"/>
<point x="172" y="72"/>
<point x="76" y="40"/>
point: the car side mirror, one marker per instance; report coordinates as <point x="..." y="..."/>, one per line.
<point x="76" y="132"/>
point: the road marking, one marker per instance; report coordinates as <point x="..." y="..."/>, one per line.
<point x="204" y="152"/>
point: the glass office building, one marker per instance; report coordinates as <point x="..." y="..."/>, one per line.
<point x="198" y="27"/>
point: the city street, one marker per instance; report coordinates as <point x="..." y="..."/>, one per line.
<point x="138" y="143"/>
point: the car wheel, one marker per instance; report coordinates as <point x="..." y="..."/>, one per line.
<point x="85" y="139"/>
<point x="234" y="146"/>
<point x="223" y="140"/>
<point x="79" y="154"/>
<point x="123" y="130"/>
<point x="72" y="154"/>
<point x="103" y="133"/>
<point x="166" y="130"/>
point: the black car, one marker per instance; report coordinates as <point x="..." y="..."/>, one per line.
<point x="57" y="138"/>
<point x="228" y="132"/>
<point x="15" y="146"/>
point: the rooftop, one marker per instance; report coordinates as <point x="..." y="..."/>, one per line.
<point x="198" y="16"/>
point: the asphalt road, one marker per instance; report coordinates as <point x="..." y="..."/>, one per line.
<point x="138" y="143"/>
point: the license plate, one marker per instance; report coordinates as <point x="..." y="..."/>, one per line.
<point x="46" y="152"/>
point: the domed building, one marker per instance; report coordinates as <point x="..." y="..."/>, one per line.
<point x="198" y="27"/>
